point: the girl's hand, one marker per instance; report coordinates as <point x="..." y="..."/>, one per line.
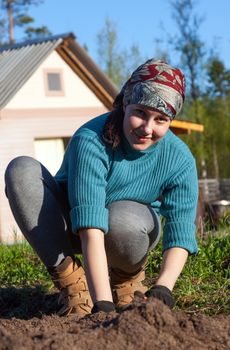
<point x="162" y="293"/>
<point x="103" y="305"/>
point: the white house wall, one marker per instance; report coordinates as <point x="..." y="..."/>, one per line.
<point x="32" y="94"/>
<point x="32" y="115"/>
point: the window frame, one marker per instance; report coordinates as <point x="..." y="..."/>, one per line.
<point x="46" y="85"/>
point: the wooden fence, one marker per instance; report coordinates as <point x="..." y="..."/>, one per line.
<point x="213" y="189"/>
<point x="213" y="205"/>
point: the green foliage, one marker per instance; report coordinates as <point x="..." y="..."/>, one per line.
<point x="22" y="20"/>
<point x="204" y="285"/>
<point x="33" y="33"/>
<point x="15" y="14"/>
<point x="218" y="77"/>
<point x="110" y="59"/>
<point x="188" y="43"/>
<point x="211" y="148"/>
<point x="116" y="63"/>
<point x="208" y="93"/>
<point x="19" y="266"/>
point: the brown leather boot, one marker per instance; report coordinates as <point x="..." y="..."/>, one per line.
<point x="69" y="278"/>
<point x="124" y="285"/>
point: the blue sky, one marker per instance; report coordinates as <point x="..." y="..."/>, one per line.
<point x="138" y="22"/>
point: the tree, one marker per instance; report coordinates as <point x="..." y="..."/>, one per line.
<point x="217" y="119"/>
<point x="2" y="29"/>
<point x="16" y="16"/>
<point x="40" y="32"/>
<point x="218" y="77"/>
<point x="188" y="44"/>
<point x="110" y="58"/>
<point x="116" y="63"/>
<point x="191" y="52"/>
<point x="212" y="147"/>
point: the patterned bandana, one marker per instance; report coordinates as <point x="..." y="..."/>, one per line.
<point x="158" y="85"/>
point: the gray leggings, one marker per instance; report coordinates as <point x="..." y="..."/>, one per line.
<point x="40" y="207"/>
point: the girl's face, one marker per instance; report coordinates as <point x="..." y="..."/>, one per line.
<point x="143" y="127"/>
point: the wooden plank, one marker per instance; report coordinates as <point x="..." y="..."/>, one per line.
<point x="186" y="125"/>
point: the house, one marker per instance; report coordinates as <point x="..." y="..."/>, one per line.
<point x="48" y="88"/>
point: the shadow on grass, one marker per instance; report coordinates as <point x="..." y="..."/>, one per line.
<point x="26" y="303"/>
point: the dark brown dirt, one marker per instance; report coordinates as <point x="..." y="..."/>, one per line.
<point x="144" y="325"/>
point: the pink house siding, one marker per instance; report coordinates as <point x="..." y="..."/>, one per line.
<point x="18" y="131"/>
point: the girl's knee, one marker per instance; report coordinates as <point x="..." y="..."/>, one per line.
<point x="19" y="166"/>
<point x="133" y="230"/>
<point x="129" y="217"/>
<point x="20" y="174"/>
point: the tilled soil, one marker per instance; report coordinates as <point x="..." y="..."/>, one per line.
<point x="144" y="325"/>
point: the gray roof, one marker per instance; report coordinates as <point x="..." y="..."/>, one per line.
<point x="19" y="61"/>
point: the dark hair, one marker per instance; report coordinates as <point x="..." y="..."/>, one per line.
<point x="113" y="127"/>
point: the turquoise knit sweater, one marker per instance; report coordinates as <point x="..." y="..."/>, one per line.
<point x="96" y="175"/>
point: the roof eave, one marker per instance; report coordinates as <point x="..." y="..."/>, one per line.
<point x="186" y="127"/>
<point x="81" y="63"/>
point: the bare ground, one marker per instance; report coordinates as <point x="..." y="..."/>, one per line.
<point x="27" y="321"/>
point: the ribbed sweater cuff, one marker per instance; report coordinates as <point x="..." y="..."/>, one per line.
<point x="89" y="216"/>
<point x="180" y="234"/>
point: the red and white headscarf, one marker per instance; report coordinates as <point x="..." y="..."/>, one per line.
<point x="158" y="85"/>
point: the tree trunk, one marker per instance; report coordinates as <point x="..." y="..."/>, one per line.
<point x="10" y="20"/>
<point x="215" y="161"/>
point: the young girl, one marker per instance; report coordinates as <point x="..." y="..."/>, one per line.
<point x="120" y="170"/>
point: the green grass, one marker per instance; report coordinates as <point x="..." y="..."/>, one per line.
<point x="20" y="267"/>
<point x="204" y="286"/>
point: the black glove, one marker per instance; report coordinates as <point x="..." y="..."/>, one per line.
<point x="161" y="293"/>
<point x="103" y="305"/>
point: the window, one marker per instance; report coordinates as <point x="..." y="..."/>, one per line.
<point x="50" y="152"/>
<point x="53" y="82"/>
